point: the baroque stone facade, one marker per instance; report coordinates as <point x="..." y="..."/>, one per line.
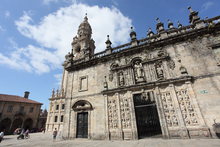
<point x="167" y="83"/>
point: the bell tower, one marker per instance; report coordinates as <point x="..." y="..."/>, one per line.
<point x="83" y="46"/>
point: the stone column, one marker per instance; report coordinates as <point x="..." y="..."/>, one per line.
<point x="133" y="117"/>
<point x="183" y="130"/>
<point x="119" y="117"/>
<point x="160" y="110"/>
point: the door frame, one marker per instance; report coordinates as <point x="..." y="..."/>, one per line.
<point x="159" y="107"/>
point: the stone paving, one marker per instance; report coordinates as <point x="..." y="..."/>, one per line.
<point x="45" y="140"/>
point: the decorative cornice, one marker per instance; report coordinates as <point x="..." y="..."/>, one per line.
<point x="182" y="34"/>
<point x="150" y="84"/>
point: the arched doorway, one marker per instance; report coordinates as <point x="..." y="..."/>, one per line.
<point x="28" y="124"/>
<point x="5" y="125"/>
<point x="82" y="107"/>
<point x="17" y="123"/>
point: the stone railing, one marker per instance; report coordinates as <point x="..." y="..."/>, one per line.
<point x="59" y="93"/>
<point x="156" y="37"/>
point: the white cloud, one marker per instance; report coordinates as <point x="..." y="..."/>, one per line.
<point x="58" y="78"/>
<point x="31" y="59"/>
<point x="56" y="1"/>
<point x="55" y="31"/>
<point x="207" y="5"/>
<point x="2" y="29"/>
<point x="7" y="14"/>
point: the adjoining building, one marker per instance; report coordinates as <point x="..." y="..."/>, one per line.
<point x="18" y="112"/>
<point x="166" y="84"/>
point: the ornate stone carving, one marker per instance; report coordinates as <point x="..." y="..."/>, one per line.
<point x="110" y="77"/>
<point x="121" y="80"/>
<point x="170" y="112"/>
<point x="187" y="108"/>
<point x="171" y="64"/>
<point x="125" y="112"/>
<point x="159" y="70"/>
<point x="112" y="113"/>
<point x="138" y="71"/>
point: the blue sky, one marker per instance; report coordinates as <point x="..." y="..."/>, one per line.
<point x="35" y="35"/>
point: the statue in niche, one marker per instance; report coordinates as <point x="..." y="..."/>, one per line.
<point x="139" y="72"/>
<point x="121" y="79"/>
<point x="159" y="71"/>
<point x="111" y="77"/>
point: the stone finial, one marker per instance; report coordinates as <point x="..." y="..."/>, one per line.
<point x="160" y="26"/>
<point x="190" y="9"/>
<point x="105" y="84"/>
<point x="108" y="42"/>
<point x="193" y="16"/>
<point x="133" y="34"/>
<point x="150" y="32"/>
<point x="179" y="25"/>
<point x="53" y="93"/>
<point x="158" y="20"/>
<point x="57" y="92"/>
<point x="170" y="24"/>
<point x="86" y="18"/>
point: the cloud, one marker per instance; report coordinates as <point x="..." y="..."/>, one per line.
<point x="7" y="14"/>
<point x="47" y="2"/>
<point x="58" y="78"/>
<point x="207" y="5"/>
<point x="31" y="59"/>
<point x="2" y="29"/>
<point x="53" y="34"/>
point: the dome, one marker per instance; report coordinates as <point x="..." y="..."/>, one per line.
<point x="85" y="28"/>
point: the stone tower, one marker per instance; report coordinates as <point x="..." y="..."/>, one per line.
<point x="83" y="45"/>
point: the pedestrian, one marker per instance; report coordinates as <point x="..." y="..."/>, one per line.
<point x="1" y="136"/>
<point x="26" y="134"/>
<point x="54" y="134"/>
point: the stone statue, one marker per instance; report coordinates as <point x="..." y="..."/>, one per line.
<point x="121" y="79"/>
<point x="159" y="71"/>
<point x="139" y="72"/>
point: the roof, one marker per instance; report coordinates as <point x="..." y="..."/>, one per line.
<point x="15" y="98"/>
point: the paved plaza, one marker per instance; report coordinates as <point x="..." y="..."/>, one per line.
<point x="45" y="140"/>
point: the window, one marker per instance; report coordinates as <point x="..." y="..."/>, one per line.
<point x="31" y="109"/>
<point x="22" y="109"/>
<point x="55" y="119"/>
<point x="83" y="83"/>
<point x="57" y="107"/>
<point x="10" y="108"/>
<point x="216" y="51"/>
<point x="63" y="106"/>
<point x="61" y="118"/>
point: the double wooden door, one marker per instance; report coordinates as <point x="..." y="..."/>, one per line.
<point x="82" y="125"/>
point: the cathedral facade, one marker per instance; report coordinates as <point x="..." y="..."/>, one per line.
<point x="165" y="85"/>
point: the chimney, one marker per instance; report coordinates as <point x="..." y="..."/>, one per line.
<point x="26" y="94"/>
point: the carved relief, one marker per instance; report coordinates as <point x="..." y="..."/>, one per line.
<point x="125" y="112"/>
<point x="187" y="108"/>
<point x="112" y="113"/>
<point x="171" y="64"/>
<point x="170" y="112"/>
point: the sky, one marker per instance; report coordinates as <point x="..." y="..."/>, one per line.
<point x="35" y="35"/>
